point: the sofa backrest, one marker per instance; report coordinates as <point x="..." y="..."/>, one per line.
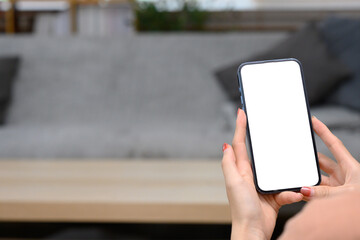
<point x="157" y="77"/>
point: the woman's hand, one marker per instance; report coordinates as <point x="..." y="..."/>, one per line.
<point x="344" y="175"/>
<point x="253" y="214"/>
<point x="335" y="217"/>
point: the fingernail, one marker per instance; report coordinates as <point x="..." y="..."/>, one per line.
<point x="314" y="117"/>
<point x="307" y="192"/>
<point x="225" y="146"/>
<point x="238" y="111"/>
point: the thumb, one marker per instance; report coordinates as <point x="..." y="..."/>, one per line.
<point x="317" y="191"/>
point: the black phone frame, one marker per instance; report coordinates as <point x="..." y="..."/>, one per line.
<point x="243" y="106"/>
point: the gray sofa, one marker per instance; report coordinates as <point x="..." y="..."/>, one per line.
<point x="151" y="95"/>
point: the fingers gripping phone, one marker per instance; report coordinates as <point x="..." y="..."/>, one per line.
<point x="279" y="129"/>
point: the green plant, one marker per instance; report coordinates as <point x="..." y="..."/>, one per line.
<point x="148" y="17"/>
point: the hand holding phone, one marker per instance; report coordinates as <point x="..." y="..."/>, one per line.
<point x="251" y="212"/>
<point x="254" y="214"/>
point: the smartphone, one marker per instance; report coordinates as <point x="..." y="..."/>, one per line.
<point x="279" y="130"/>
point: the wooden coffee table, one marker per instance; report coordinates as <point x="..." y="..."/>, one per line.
<point x="99" y="190"/>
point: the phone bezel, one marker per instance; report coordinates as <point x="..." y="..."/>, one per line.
<point x="243" y="105"/>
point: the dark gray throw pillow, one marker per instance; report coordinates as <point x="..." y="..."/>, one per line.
<point x="322" y="71"/>
<point x="8" y="70"/>
<point x="342" y="35"/>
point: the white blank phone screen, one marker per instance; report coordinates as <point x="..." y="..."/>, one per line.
<point x="279" y="126"/>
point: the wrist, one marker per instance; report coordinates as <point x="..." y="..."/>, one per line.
<point x="246" y="230"/>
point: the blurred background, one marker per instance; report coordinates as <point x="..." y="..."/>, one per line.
<point x="156" y="79"/>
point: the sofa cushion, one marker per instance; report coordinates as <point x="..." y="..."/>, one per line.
<point x="322" y="71"/>
<point x="160" y="141"/>
<point x="343" y="37"/>
<point x="349" y="137"/>
<point x="8" y="70"/>
<point x="143" y="78"/>
<point x="335" y="116"/>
